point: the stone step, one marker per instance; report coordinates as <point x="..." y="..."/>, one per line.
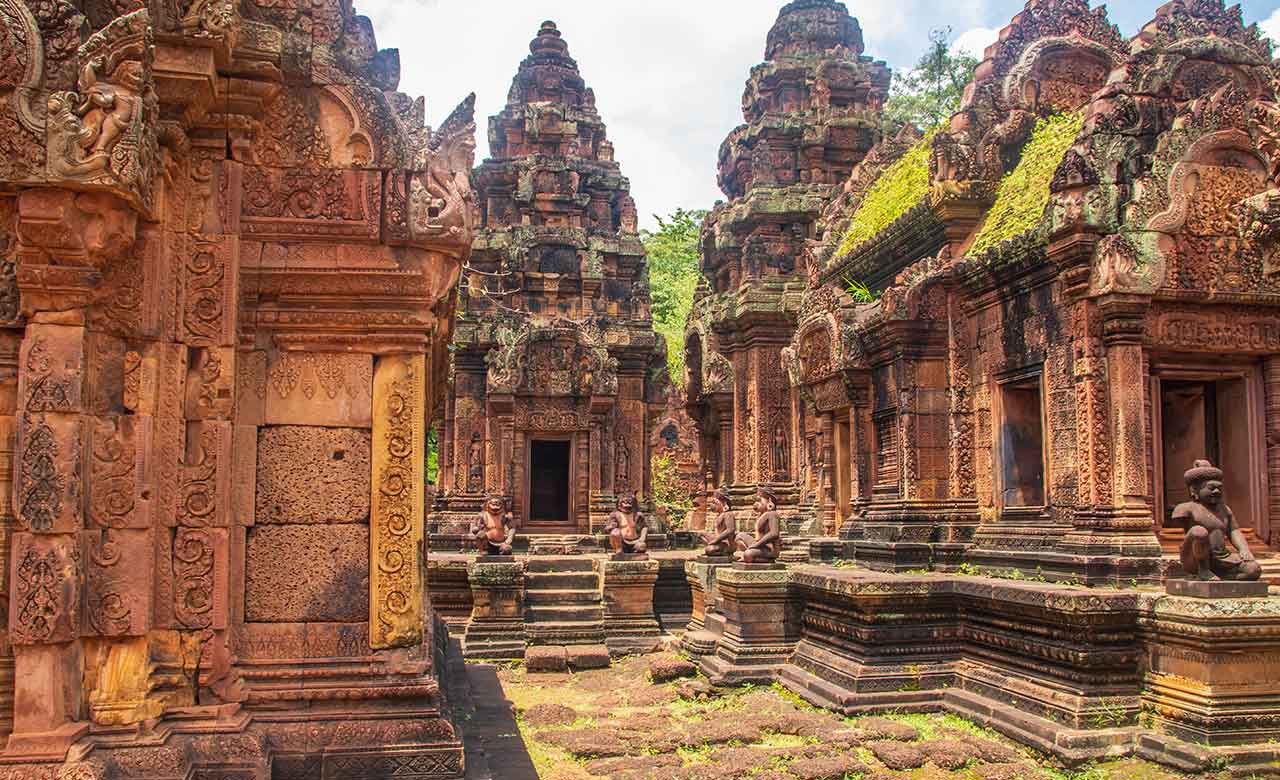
<point x="585" y="596"/>
<point x="564" y="633"/>
<point x="558" y="565"/>
<point x="556" y="613"/>
<point x="561" y="581"/>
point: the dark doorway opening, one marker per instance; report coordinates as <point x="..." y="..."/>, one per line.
<point x="549" y="482"/>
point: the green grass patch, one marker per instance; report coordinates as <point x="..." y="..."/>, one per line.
<point x="695" y="755"/>
<point x="1024" y="191"/>
<point x="895" y="191"/>
<point x="784" y="741"/>
<point x="793" y="698"/>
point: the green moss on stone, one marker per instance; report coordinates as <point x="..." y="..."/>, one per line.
<point x="895" y="191"/>
<point x="1024" y="191"/>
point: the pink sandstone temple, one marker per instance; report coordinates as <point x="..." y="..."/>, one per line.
<point x="981" y="419"/>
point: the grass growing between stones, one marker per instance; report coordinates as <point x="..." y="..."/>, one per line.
<point x="615" y="723"/>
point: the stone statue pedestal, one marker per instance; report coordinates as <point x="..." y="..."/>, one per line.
<point x="495" y="559"/>
<point x="622" y="556"/>
<point x="703" y="632"/>
<point x="496" y="627"/>
<point x="630" y="625"/>
<point x="761" y="623"/>
<point x="1217" y="589"/>
<point x="1212" y="671"/>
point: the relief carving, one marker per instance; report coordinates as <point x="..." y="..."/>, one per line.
<point x="395" y="524"/>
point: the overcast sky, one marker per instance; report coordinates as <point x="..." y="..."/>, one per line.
<point x="668" y="74"/>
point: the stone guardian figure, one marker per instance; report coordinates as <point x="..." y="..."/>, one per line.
<point x="627" y="528"/>
<point x="766" y="545"/>
<point x="493" y="529"/>
<point x="1210" y="526"/>
<point x="724" y="530"/>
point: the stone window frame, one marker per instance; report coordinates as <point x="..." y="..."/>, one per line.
<point x="1020" y="376"/>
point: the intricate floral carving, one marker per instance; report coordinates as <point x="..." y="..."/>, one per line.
<point x="398" y="496"/>
<point x="193" y="560"/>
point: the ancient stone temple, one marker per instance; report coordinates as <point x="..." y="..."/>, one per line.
<point x="812" y="113"/>
<point x="555" y="358"/>
<point x="1075" y="300"/>
<point x="230" y="251"/>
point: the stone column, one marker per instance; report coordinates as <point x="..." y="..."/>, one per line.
<point x="47" y="563"/>
<point x="630" y="625"/>
<point x="396" y="509"/>
<point x="496" y="627"/>
<point x="1112" y="540"/>
<point x="1271" y="387"/>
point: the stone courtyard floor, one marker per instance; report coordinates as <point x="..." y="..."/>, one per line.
<point x="616" y="723"/>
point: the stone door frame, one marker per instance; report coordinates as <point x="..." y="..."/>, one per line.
<point x="1198" y="369"/>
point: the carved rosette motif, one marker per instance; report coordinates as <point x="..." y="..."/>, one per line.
<point x="395" y="523"/>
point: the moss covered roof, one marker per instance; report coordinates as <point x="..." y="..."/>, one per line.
<point x="1024" y="192"/>
<point x="898" y="187"/>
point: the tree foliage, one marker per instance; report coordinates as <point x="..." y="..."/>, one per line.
<point x="673" y="275"/>
<point x="930" y="93"/>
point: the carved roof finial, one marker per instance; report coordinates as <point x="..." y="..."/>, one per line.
<point x="548" y="41"/>
<point x="813" y="27"/>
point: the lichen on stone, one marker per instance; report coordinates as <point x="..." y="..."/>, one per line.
<point x="901" y="185"/>
<point x="1024" y="192"/>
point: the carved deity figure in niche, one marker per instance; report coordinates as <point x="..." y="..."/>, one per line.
<point x="627" y="528"/>
<point x="765" y="546"/>
<point x="1210" y="525"/>
<point x="622" y="464"/>
<point x="475" y="465"/>
<point x="724" y="529"/>
<point x="493" y="530"/>
<point x="781" y="454"/>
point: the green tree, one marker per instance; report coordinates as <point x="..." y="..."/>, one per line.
<point x="673" y="275"/>
<point x="930" y="93"/>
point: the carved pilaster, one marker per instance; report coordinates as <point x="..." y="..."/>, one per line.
<point x="396" y="510"/>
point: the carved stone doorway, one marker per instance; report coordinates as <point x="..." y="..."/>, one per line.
<point x="549" y="489"/>
<point x="1213" y="413"/>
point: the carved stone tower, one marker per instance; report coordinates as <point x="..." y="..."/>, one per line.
<point x="554" y="345"/>
<point x="812" y="112"/>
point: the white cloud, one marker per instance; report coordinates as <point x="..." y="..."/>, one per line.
<point x="1271" y="26"/>
<point x="975" y="41"/>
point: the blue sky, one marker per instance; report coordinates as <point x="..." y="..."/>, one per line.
<point x="668" y="74"/>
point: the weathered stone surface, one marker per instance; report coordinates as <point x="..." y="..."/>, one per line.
<point x="587" y="657"/>
<point x="665" y="668"/>
<point x="312" y="475"/>
<point x="556" y="363"/>
<point x="545" y="658"/>
<point x="307" y="573"/>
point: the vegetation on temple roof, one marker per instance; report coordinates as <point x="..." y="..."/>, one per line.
<point x="1024" y="192"/>
<point x="899" y="187"/>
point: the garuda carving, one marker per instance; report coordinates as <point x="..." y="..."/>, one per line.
<point x="442" y="208"/>
<point x="101" y="134"/>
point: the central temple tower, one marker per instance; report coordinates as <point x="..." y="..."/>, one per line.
<point x="554" y="348"/>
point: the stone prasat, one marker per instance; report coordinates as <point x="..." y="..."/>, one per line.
<point x="989" y="415"/>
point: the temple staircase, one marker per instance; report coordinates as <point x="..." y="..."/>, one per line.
<point x="563" y="601"/>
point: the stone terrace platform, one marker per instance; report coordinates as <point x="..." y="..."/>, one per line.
<point x="1075" y="672"/>
<point x="501" y="606"/>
